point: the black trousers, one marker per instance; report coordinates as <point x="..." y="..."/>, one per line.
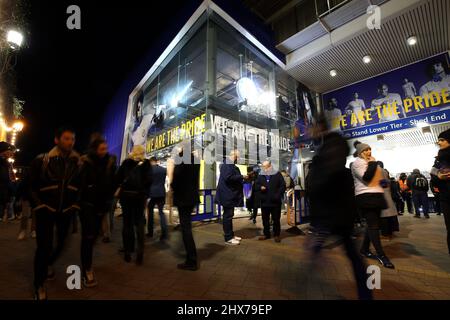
<point x="91" y="223"/>
<point x="437" y="203"/>
<point x="46" y="255"/>
<point x="372" y="235"/>
<point x="276" y="216"/>
<point x="420" y="199"/>
<point x="407" y="197"/>
<point x="359" y="268"/>
<point x="133" y="225"/>
<point x="228" y="214"/>
<point x="159" y="202"/>
<point x="445" y="207"/>
<point x="188" y="238"/>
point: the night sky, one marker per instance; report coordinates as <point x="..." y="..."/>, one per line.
<point x="69" y="77"/>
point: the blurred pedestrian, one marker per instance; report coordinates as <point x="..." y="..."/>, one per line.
<point x="185" y="185"/>
<point x="389" y="220"/>
<point x="330" y="190"/>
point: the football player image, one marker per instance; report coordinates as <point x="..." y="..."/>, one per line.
<point x="387" y="99"/>
<point x="409" y="89"/>
<point x="140" y="124"/>
<point x="356" y="106"/>
<point x="333" y="114"/>
<point x="440" y="80"/>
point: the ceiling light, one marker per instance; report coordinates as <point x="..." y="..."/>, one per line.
<point x="412" y="40"/>
<point x="333" y="73"/>
<point x="367" y="59"/>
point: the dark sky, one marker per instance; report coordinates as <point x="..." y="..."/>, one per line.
<point x="69" y="77"/>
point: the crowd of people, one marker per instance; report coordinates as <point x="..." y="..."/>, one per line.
<point x="61" y="185"/>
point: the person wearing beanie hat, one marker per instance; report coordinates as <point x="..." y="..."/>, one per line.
<point x="445" y="135"/>
<point x="360" y="148"/>
<point x="370" y="200"/>
<point x="440" y="177"/>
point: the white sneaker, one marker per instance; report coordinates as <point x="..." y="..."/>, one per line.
<point x="21" y="236"/>
<point x="33" y="234"/>
<point x="237" y="238"/>
<point x="233" y="242"/>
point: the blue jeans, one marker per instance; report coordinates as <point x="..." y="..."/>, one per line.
<point x="420" y="199"/>
<point x="228" y="214"/>
<point x="162" y="218"/>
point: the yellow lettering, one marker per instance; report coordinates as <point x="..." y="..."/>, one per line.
<point x="407" y="104"/>
<point x="445" y="94"/>
<point x="343" y="121"/>
<point x="418" y="103"/>
<point x="379" y="111"/>
<point x="361" y="117"/>
<point x="368" y="115"/>
<point x="435" y="99"/>
<point x="354" y="120"/>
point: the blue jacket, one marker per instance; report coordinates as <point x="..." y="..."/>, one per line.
<point x="158" y="189"/>
<point x="230" y="187"/>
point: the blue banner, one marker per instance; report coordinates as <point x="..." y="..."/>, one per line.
<point x="396" y="100"/>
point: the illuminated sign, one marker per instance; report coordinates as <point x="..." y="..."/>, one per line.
<point x="185" y="130"/>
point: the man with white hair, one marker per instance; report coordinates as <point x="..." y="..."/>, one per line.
<point x="271" y="185"/>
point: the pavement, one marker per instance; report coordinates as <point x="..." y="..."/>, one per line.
<point x="254" y="270"/>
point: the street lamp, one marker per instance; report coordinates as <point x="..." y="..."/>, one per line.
<point x="18" y="126"/>
<point x="15" y="39"/>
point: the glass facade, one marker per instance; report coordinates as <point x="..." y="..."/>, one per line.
<point x="215" y="79"/>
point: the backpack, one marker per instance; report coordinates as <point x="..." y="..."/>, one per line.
<point x="421" y="183"/>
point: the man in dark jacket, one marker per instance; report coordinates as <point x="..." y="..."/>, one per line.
<point x="98" y="169"/>
<point x="330" y="190"/>
<point x="271" y="186"/>
<point x="6" y="175"/>
<point x="158" y="198"/>
<point x="55" y="198"/>
<point x="185" y="186"/>
<point x="419" y="186"/>
<point x="230" y="195"/>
